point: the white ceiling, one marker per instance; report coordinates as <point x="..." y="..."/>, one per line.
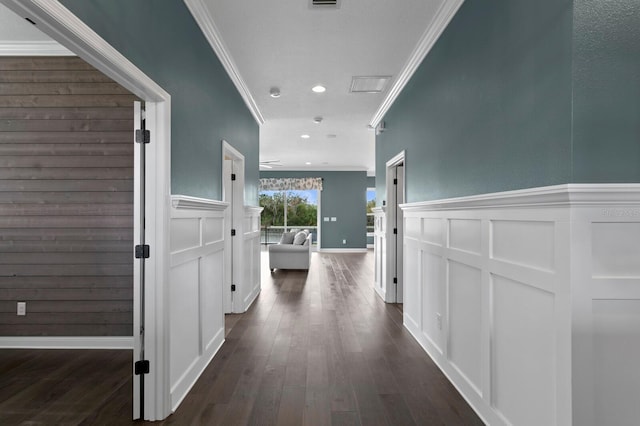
<point x="289" y="45"/>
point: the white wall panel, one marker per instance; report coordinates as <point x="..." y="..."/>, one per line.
<point x="432" y="231"/>
<point x="185" y="234"/>
<point x="412" y="287"/>
<point x="184" y="318"/>
<point x="523" y="353"/>
<point x="196" y="312"/>
<point x="616" y="355"/>
<point x="624" y="261"/>
<point x="211" y="301"/>
<point x="465" y="234"/>
<point x="527" y="243"/>
<point x="432" y="296"/>
<point x="465" y="322"/>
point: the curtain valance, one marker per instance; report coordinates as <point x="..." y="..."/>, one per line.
<point x="283" y="184"/>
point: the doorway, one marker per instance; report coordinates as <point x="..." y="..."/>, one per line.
<point x="395" y="194"/>
<point x="233" y="193"/>
<point x="56" y="21"/>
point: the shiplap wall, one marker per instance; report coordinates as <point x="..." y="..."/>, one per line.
<point x="66" y="199"/>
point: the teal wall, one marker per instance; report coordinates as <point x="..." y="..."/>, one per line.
<point x="162" y="39"/>
<point x="606" y="85"/>
<point x="343" y="197"/>
<point x="489" y="109"/>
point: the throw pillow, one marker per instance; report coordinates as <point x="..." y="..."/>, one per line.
<point x="287" y="238"/>
<point x="299" y="238"/>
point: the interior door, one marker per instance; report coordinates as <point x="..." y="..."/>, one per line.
<point x="227" y="196"/>
<point x="400" y="234"/>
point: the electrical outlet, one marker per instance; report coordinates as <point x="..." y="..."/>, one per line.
<point x="439" y="319"/>
<point x="22" y="308"/>
<point x="344" y="241"/>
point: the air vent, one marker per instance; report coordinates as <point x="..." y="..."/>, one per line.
<point x="324" y="4"/>
<point x="374" y="84"/>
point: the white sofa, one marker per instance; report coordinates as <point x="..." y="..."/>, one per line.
<point x="286" y="255"/>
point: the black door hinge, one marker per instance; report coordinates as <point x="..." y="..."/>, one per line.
<point x="143" y="136"/>
<point x="395" y="230"/>
<point x="395" y="181"/>
<point x="395" y="280"/>
<point x="142" y="251"/>
<point x="233" y="232"/>
<point x="141" y="367"/>
<point x="233" y="176"/>
<point x="233" y="287"/>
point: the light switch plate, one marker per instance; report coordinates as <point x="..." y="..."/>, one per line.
<point x="334" y="219"/>
<point x="22" y="308"/>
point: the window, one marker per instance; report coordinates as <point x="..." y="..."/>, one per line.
<point x="301" y="212"/>
<point x="371" y="203"/>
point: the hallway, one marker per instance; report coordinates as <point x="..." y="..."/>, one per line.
<point x="321" y="348"/>
<point x="318" y="348"/>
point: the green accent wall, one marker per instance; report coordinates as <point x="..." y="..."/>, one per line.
<point x="343" y="197"/>
<point x="518" y="94"/>
<point x="606" y="85"/>
<point x="162" y="39"/>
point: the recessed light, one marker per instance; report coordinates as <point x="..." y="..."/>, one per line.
<point x="274" y="92"/>
<point x="319" y="88"/>
<point x="308" y="163"/>
<point x="305" y="136"/>
<point x="317" y="120"/>
<point x="332" y="136"/>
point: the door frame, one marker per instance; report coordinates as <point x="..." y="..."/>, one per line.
<point x="234" y="219"/>
<point x="391" y="209"/>
<point x="63" y="26"/>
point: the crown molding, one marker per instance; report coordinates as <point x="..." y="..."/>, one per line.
<point x="583" y="195"/>
<point x="33" y="48"/>
<point x="203" y="18"/>
<point x="443" y="16"/>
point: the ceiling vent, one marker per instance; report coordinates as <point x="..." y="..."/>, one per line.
<point x="374" y="84"/>
<point x="324" y="4"/>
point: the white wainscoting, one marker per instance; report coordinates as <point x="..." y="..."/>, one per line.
<point x="380" y="252"/>
<point x="529" y="301"/>
<point x="196" y="277"/>
<point x="251" y="256"/>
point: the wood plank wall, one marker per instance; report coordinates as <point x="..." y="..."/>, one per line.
<point x="66" y="199"/>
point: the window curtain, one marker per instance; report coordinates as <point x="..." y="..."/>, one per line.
<point x="283" y="184"/>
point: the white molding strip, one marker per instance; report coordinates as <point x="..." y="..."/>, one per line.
<point x="344" y="250"/>
<point x="557" y="195"/>
<point x="56" y="342"/>
<point x="59" y="23"/>
<point x="187" y="202"/>
<point x="203" y="18"/>
<point x="443" y="16"/>
<point x="33" y="48"/>
<point x="253" y="210"/>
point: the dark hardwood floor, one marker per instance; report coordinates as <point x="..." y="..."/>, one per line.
<point x="316" y="348"/>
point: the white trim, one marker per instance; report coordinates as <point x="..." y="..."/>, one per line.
<point x="55" y="342"/>
<point x="59" y="23"/>
<point x="556" y="195"/>
<point x="203" y="18"/>
<point x="343" y="250"/>
<point x="63" y="26"/>
<point x="188" y="202"/>
<point x="443" y="16"/>
<point x="33" y="48"/>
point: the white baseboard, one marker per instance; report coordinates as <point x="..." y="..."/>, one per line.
<point x="55" y="342"/>
<point x="345" y="250"/>
<point x="33" y="48"/>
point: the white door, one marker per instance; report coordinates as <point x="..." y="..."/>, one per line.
<point x="227" y="196"/>
<point x="399" y="235"/>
